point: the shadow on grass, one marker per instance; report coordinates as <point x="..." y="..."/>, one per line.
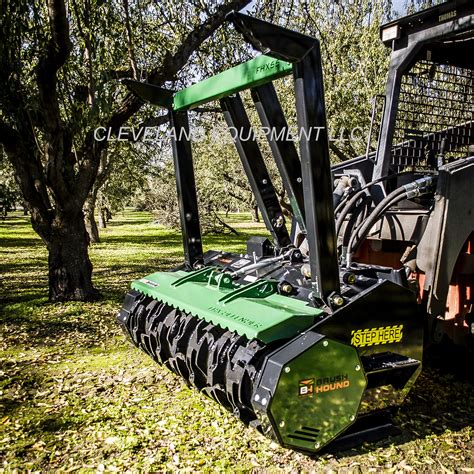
<point x="21" y="377"/>
<point x="168" y="241"/>
<point x="121" y="221"/>
<point x="50" y="331"/>
<point x="34" y="264"/>
<point x="53" y="424"/>
<point x="25" y="385"/>
<point x="35" y="296"/>
<point x="11" y="242"/>
<point x="124" y="239"/>
<point x="14" y="220"/>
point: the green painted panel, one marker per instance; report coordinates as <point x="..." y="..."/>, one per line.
<point x="252" y="73"/>
<point x="318" y="395"/>
<point x="253" y="310"/>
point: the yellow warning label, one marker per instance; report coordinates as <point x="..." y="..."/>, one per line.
<point x="376" y="336"/>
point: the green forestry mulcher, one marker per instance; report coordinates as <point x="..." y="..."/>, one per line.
<point x="313" y="334"/>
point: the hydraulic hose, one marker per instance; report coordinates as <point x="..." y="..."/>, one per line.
<point x="416" y="188"/>
<point x="342" y="202"/>
<point x="348" y="206"/>
<point x="362" y="230"/>
<point x="357" y="216"/>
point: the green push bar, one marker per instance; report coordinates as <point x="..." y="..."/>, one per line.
<point x="250" y="74"/>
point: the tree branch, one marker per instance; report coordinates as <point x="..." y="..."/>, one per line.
<point x="115" y="74"/>
<point x="58" y="150"/>
<point x="171" y="65"/>
<point x="174" y="62"/>
<point x="128" y="29"/>
<point x="56" y="54"/>
<point x="338" y="152"/>
<point x="29" y="175"/>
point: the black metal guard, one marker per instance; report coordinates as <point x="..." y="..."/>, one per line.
<point x="317" y="212"/>
<point x="434" y="107"/>
<point x="271" y="39"/>
<point x="149" y="93"/>
<point x="427" y="34"/>
<point x="282" y="146"/>
<point x="186" y="186"/>
<point x="255" y="169"/>
<point x="183" y="166"/>
<point x="304" y="52"/>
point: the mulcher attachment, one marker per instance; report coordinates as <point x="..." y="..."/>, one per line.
<point x="297" y="337"/>
<point x="303" y="392"/>
<point x="218" y="362"/>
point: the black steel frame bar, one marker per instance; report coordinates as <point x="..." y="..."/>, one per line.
<point x="255" y="169"/>
<point x="282" y="146"/>
<point x="270" y="39"/>
<point x="316" y="168"/>
<point x="186" y="187"/>
<point x="304" y="52"/>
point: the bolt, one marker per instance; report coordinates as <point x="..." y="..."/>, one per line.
<point x="357" y="367"/>
<point x="257" y="397"/>
<point x="282" y="424"/>
<point x="286" y="288"/>
<point x="352" y="418"/>
<point x="306" y="271"/>
<point x="264" y="181"/>
<point x="264" y="401"/>
<point x="325" y="343"/>
<point x="287" y="369"/>
<point x="350" y="278"/>
<point x="317" y="445"/>
<point x="299" y="180"/>
<point x="279" y="221"/>
<point x="337" y="300"/>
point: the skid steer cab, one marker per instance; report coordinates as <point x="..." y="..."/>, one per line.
<point x="314" y="335"/>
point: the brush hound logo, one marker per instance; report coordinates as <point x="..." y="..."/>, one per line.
<point x="306" y="387"/>
<point x="377" y="336"/>
<point x="309" y="387"/>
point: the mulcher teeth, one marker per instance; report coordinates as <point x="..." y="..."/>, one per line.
<point x="218" y="362"/>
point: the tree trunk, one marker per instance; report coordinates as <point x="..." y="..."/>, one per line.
<point x="70" y="269"/>
<point x="108" y="214"/>
<point x="102" y="219"/>
<point x="89" y="219"/>
<point x="255" y="216"/>
<point x="55" y="179"/>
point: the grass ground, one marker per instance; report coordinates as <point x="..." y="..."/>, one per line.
<point x="76" y="396"/>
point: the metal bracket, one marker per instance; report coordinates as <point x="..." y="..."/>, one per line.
<point x="255" y="169"/>
<point x="283" y="147"/>
<point x="258" y="289"/>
